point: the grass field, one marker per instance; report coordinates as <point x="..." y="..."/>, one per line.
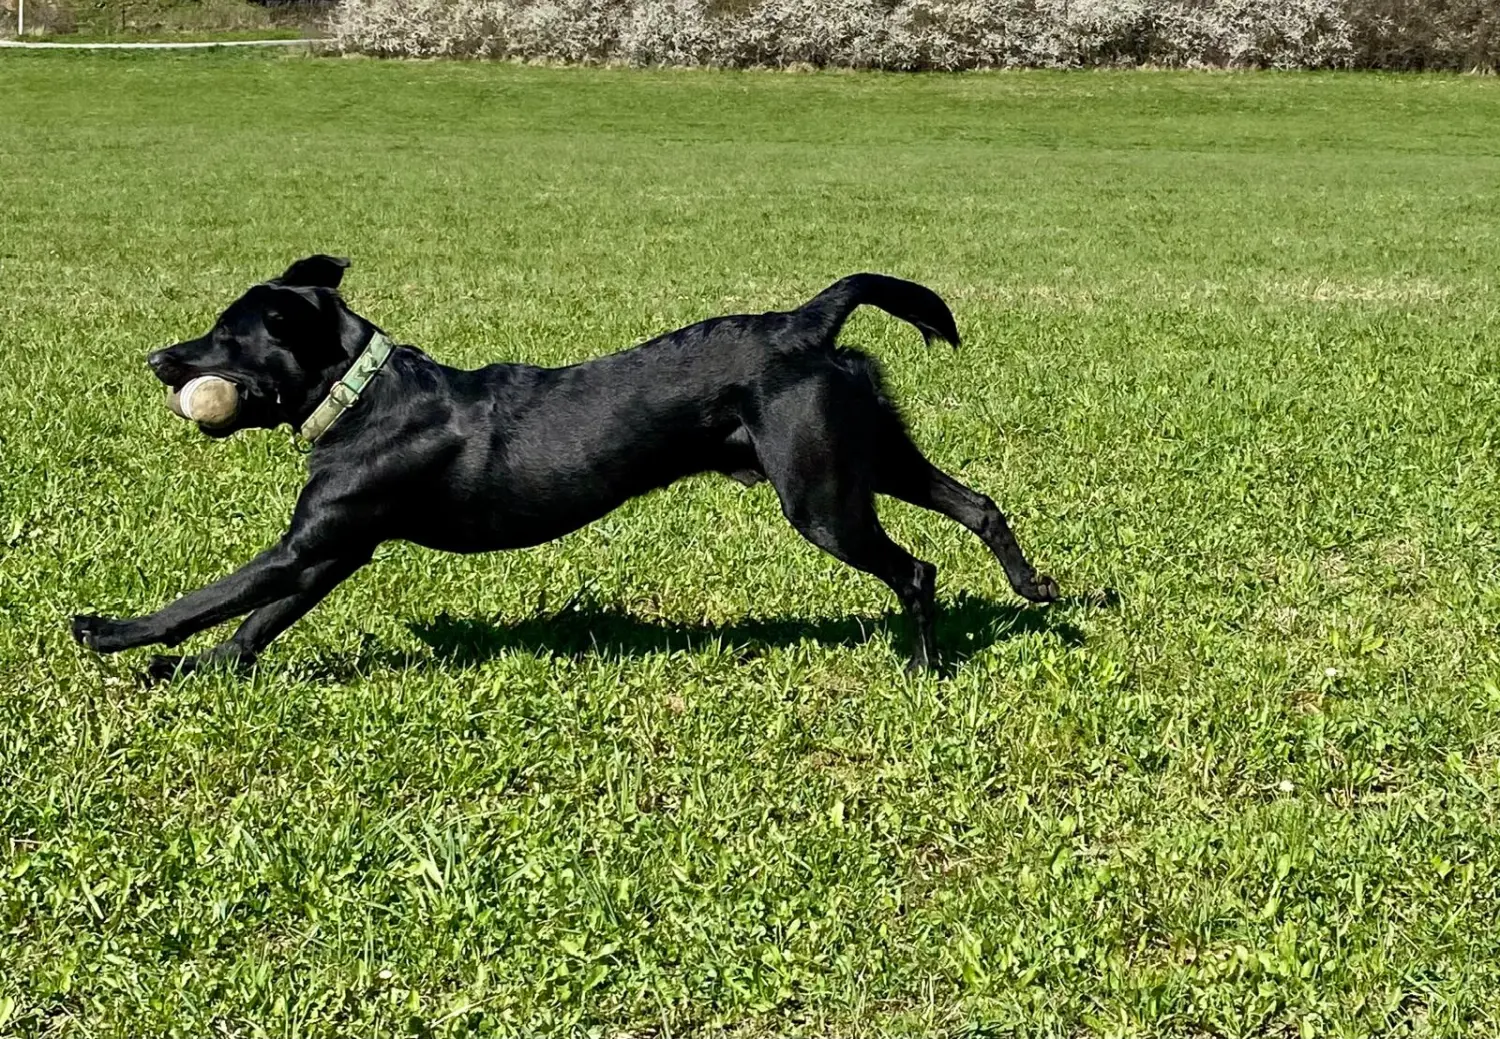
<point x="171" y="36"/>
<point x="1230" y="365"/>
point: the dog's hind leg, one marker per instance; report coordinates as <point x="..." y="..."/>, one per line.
<point x="850" y="532"/>
<point x="820" y="474"/>
<point x="258" y="630"/>
<point x="904" y="472"/>
<point x="858" y="539"/>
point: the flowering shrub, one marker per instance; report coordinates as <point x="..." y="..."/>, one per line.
<point x="1425" y="34"/>
<point x="931" y="34"/>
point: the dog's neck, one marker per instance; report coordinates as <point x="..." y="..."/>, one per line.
<point x="354" y="335"/>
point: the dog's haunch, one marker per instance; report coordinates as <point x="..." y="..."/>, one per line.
<point x="207" y="399"/>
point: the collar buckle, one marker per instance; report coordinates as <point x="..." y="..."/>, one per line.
<point x="344" y="393"/>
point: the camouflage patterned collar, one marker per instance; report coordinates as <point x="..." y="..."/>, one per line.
<point x="345" y="393"/>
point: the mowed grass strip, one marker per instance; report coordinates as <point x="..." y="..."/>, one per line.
<point x="1230" y="365"/>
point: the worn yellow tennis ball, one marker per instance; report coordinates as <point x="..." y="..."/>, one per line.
<point x="207" y="399"/>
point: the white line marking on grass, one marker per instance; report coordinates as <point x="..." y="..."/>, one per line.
<point x="157" y="46"/>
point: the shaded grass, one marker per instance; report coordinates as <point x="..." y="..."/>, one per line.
<point x="968" y="625"/>
<point x="1230" y="351"/>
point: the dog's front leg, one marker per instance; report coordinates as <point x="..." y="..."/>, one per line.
<point x="262" y="626"/>
<point x="289" y="570"/>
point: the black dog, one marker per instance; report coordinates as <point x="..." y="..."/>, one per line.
<point x="513" y="455"/>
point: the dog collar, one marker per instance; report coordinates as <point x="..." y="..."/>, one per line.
<point x="345" y="393"/>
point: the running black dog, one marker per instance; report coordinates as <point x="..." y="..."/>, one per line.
<point x="513" y="455"/>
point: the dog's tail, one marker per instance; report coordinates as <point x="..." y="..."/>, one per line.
<point x="912" y="303"/>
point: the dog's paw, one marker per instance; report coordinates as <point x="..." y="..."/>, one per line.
<point x="165" y="668"/>
<point x="101" y="634"/>
<point x="87" y="629"/>
<point x="1040" y="588"/>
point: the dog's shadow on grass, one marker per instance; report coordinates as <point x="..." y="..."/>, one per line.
<point x="965" y="626"/>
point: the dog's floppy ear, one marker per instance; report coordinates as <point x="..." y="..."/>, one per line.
<point x="299" y="317"/>
<point x="285" y="311"/>
<point x="319" y="271"/>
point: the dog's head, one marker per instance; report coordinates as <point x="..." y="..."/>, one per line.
<point x="282" y="344"/>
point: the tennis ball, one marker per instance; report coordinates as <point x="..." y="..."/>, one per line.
<point x="207" y="399"/>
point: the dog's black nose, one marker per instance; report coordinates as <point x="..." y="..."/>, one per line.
<point x="157" y="359"/>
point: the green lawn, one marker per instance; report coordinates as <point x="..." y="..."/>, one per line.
<point x="1231" y="364"/>
<point x="173" y="36"/>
